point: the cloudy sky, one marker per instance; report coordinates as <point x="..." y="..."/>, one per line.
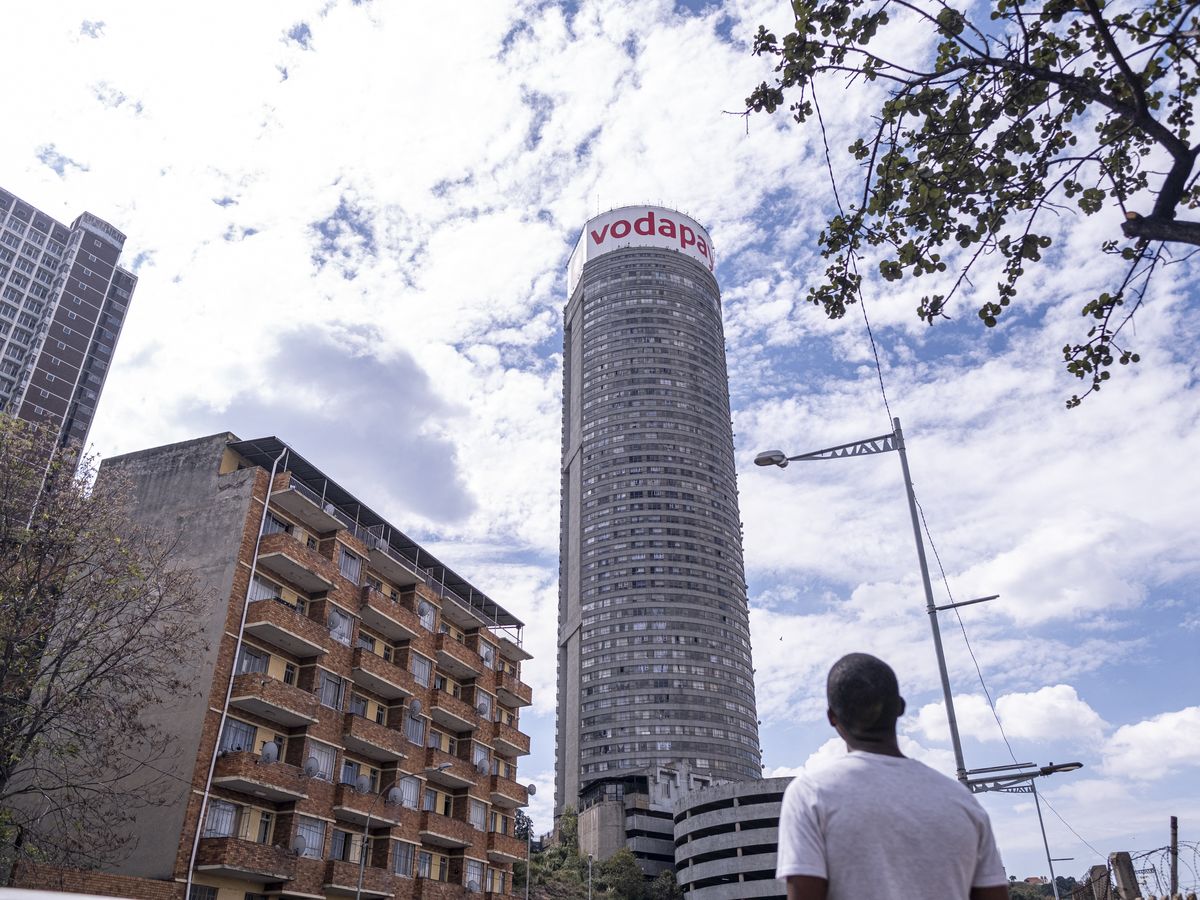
<point x="351" y="221"/>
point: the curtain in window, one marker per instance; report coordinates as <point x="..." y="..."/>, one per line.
<point x="474" y="873"/>
<point x="237" y="736"/>
<point x="331" y="691"/>
<point x="273" y="525"/>
<point x="251" y="660"/>
<point x="422" y="668"/>
<point x="340" y="626"/>
<point x="478" y="815"/>
<point x="402" y="859"/>
<point x="221" y="820"/>
<point x="414" y="730"/>
<point x="325" y="757"/>
<point x="261" y="589"/>
<point x="313" y="832"/>
<point x="350" y="565"/>
<point x="409" y="789"/>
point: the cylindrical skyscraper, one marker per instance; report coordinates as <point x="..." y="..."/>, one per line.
<point x="654" y="674"/>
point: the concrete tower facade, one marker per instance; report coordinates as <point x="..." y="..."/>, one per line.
<point x="654" y="671"/>
<point x="64" y="301"/>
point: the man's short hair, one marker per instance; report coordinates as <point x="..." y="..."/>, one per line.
<point x="864" y="695"/>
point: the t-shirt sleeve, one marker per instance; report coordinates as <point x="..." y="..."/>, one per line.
<point x="801" y="842"/>
<point x="989" y="870"/>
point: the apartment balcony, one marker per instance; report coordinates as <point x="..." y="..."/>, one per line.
<point x="306" y="505"/>
<point x="507" y="793"/>
<point x="452" y="712"/>
<point x="510" y="649"/>
<point x="283" y="626"/>
<point x="504" y="848"/>
<point x="457" y="659"/>
<point x="450" y="771"/>
<point x="343" y="878"/>
<point x="508" y="741"/>
<point x="390" y="563"/>
<point x="512" y="691"/>
<point x="249" y="861"/>
<point x="261" y="695"/>
<point x="356" y="807"/>
<point x="391" y="618"/>
<point x="373" y="740"/>
<point x="428" y="889"/>
<point x="292" y="561"/>
<point x="443" y="831"/>
<point x="246" y="773"/>
<point x="381" y="677"/>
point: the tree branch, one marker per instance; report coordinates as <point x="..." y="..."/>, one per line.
<point x="1154" y="228"/>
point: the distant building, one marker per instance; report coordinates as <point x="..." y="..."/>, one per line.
<point x="654" y="669"/>
<point x="354" y="685"/>
<point x="726" y="839"/>
<point x="63" y="301"/>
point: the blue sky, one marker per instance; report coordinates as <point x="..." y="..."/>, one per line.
<point x="351" y="223"/>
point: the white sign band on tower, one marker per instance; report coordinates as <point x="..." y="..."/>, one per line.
<point x="639" y="226"/>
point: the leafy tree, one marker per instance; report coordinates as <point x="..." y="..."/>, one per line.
<point x="95" y="623"/>
<point x="1046" y="106"/>
<point x="522" y="825"/>
<point x="620" y="876"/>
<point x="664" y="887"/>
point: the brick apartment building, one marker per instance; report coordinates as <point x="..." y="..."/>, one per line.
<point x="353" y="686"/>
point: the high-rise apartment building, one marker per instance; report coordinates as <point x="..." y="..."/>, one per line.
<point x="655" y="683"/>
<point x="356" y="728"/>
<point x="63" y="300"/>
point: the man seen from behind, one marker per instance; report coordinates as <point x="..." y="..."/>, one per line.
<point x="875" y="823"/>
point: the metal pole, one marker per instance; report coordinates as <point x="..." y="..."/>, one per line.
<point x="1042" y="825"/>
<point x="931" y="608"/>
<point x="362" y="851"/>
<point x="1174" y="855"/>
<point x="589" y="876"/>
<point x="528" y="850"/>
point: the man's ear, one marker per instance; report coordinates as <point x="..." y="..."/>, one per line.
<point x="831" y="717"/>
<point x="900" y="708"/>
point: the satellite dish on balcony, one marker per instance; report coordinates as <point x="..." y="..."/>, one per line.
<point x="299" y="845"/>
<point x="363" y="784"/>
<point x="481" y="766"/>
<point x="312" y="768"/>
<point x="414" y="709"/>
<point x="532" y="789"/>
<point x="270" y="752"/>
<point x="488" y="656"/>
<point x="424" y="609"/>
<point x="481" y="708"/>
<point x="394" y="796"/>
<point x="472" y="885"/>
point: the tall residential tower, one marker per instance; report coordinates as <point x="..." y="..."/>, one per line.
<point x="63" y="303"/>
<point x="655" y="684"/>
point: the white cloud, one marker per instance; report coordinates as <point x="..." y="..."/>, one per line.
<point x="1156" y="747"/>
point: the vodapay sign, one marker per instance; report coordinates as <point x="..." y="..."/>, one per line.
<point x="639" y="226"/>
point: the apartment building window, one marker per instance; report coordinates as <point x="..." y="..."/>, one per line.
<point x="332" y="690"/>
<point x="421" y="667"/>
<point x="313" y="832"/>
<point x="481" y="758"/>
<point x="265" y="821"/>
<point x="351" y="770"/>
<point x="221" y="820"/>
<point x="252" y="660"/>
<point x="325" y="756"/>
<point x="237" y="736"/>
<point x="424" y="864"/>
<point x="474" y="875"/>
<point x="483" y="705"/>
<point x="410" y="789"/>
<point x="427" y="613"/>
<point x="358" y="705"/>
<point x="414" y="730"/>
<point x="350" y="565"/>
<point x="202" y="892"/>
<point x="261" y="589"/>
<point x="477" y="815"/>
<point x="341" y="626"/>
<point x="273" y="525"/>
<point x="343" y="846"/>
<point x="403" y="857"/>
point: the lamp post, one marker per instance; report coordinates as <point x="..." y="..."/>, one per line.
<point x="393" y="796"/>
<point x="1016" y="779"/>
<point x="531" y="789"/>
<point x="589" y="876"/>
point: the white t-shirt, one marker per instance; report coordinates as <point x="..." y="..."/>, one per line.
<point x="886" y="827"/>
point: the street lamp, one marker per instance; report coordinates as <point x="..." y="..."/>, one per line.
<point x="393" y="797"/>
<point x="589" y="876"/>
<point x="531" y="789"/>
<point x="1016" y="779"/>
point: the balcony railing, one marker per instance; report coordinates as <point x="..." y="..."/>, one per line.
<point x="507" y="793"/>
<point x="235" y="858"/>
<point x="443" y="831"/>
<point x="355" y="806"/>
<point x="384" y="678"/>
<point x="283" y="626"/>
<point x="296" y="563"/>
<point x="457" y="659"/>
<point x="512" y="691"/>
<point x="504" y="848"/>
<point x="453" y="713"/>
<point x="261" y="695"/>
<point x="388" y="561"/>
<point x="508" y="740"/>
<point x="391" y="618"/>
<point x="373" y="740"/>
<point x="343" y="878"/>
<point x="247" y="773"/>
<point x="443" y="768"/>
